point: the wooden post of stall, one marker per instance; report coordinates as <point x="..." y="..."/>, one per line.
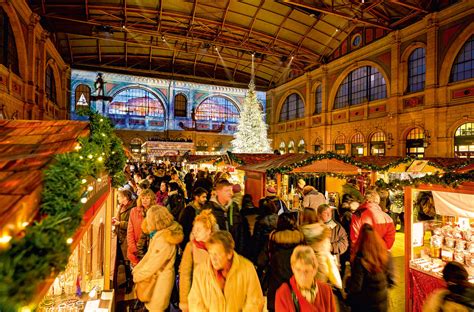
<point x="408" y="213"/>
<point x="373" y="177"/>
<point x="278" y="184"/>
<point x="109" y="213"/>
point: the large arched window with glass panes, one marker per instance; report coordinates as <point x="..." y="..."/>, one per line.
<point x="416" y="70"/>
<point x="301" y="147"/>
<point x="8" y="51"/>
<point x="464" y="141"/>
<point x="50" y="85"/>
<point x="180" y="104"/>
<point x="137" y="102"/>
<point x="357" y="144"/>
<point x="415" y="143"/>
<point x="377" y="144"/>
<point x="217" y="108"/>
<point x="293" y="107"/>
<point x="318" y="105"/>
<point x="362" y="85"/>
<point x="82" y="95"/>
<point x="463" y="67"/>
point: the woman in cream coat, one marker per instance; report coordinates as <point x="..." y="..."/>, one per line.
<point x="195" y="253"/>
<point x="165" y="234"/>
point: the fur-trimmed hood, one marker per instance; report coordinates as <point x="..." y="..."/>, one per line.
<point x="173" y="234"/>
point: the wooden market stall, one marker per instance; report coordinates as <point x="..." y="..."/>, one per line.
<point x="437" y="231"/>
<point x="40" y="207"/>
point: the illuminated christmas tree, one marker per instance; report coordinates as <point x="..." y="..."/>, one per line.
<point x="251" y="134"/>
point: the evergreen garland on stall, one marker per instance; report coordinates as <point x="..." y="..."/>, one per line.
<point x="43" y="251"/>
<point x="362" y="165"/>
<point x="449" y="179"/>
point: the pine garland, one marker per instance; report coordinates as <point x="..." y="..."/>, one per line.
<point x="449" y="179"/>
<point x="353" y="161"/>
<point x="43" y="251"/>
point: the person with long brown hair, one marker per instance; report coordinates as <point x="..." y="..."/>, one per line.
<point x="372" y="273"/>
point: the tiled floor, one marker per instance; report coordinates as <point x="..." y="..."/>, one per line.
<point x="397" y="294"/>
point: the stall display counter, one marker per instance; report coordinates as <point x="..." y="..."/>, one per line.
<point x="439" y="229"/>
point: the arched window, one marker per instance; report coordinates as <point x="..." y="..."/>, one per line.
<point x="201" y="146"/>
<point x="464" y="141"/>
<point x="292" y="108"/>
<point x="180" y="104"/>
<point x="291" y="147"/>
<point x="301" y="147"/>
<point x="137" y="102"/>
<point x="416" y="70"/>
<point x="377" y="144"/>
<point x="8" y="51"/>
<point x="136" y="145"/>
<point x="282" y="147"/>
<point x="463" y="67"/>
<point x="50" y="85"/>
<point x="217" y="108"/>
<point x="82" y="95"/>
<point x="415" y="143"/>
<point x="340" y="145"/>
<point x="357" y="145"/>
<point x="361" y="85"/>
<point x="318" y="105"/>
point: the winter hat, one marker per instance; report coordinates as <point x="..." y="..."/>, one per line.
<point x="236" y="188"/>
<point x="271" y="190"/>
<point x="157" y="218"/>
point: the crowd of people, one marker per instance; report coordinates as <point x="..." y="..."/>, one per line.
<point x="193" y="242"/>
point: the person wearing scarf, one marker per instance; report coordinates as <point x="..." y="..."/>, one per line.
<point x="227" y="282"/>
<point x="304" y="292"/>
<point x="195" y="253"/>
<point x="339" y="240"/>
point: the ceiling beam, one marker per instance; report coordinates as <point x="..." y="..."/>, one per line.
<point x="193" y="15"/>
<point x="254" y="18"/>
<point x="410" y="6"/>
<point x="220" y="29"/>
<point x="206" y="21"/>
<point x="160" y="16"/>
<point x="275" y="36"/>
<point x="99" y="55"/>
<point x="70" y="49"/>
<point x="335" y="13"/>
<point x="125" y="48"/>
<point x="86" y="8"/>
<point x="150" y="57"/>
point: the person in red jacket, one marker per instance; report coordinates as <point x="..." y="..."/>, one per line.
<point x="304" y="292"/>
<point x="134" y="229"/>
<point x="371" y="213"/>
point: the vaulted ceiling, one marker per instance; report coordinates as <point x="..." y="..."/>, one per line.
<point x="214" y="41"/>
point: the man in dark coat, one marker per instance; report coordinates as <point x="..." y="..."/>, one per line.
<point x="227" y="213"/>
<point x="186" y="218"/>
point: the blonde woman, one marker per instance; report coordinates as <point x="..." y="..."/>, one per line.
<point x="134" y="229"/>
<point x="195" y="253"/>
<point x="165" y="234"/>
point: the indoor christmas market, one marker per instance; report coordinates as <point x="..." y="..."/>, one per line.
<point x="237" y="155"/>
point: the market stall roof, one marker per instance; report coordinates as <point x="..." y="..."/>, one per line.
<point x="279" y="161"/>
<point x="198" y="159"/>
<point x="249" y="159"/>
<point x="379" y="161"/>
<point x="329" y="165"/>
<point x="26" y="148"/>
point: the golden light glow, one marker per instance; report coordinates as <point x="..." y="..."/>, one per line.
<point x="83" y="200"/>
<point x="69" y="241"/>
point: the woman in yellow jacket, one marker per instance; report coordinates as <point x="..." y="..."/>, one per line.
<point x="227" y="282"/>
<point x="195" y="253"/>
<point x="165" y="234"/>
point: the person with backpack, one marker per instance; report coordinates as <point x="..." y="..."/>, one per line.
<point x="458" y="296"/>
<point x="303" y="292"/>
